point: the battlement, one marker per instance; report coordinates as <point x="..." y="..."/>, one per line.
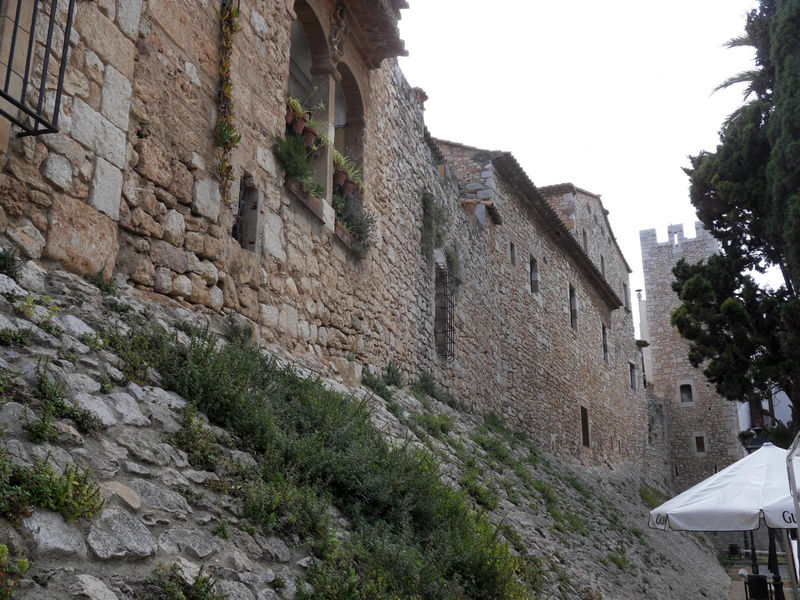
<point x="679" y="243"/>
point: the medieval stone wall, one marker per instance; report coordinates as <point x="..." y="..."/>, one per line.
<point x="704" y="414"/>
<point x="128" y="188"/>
<point x="531" y="365"/>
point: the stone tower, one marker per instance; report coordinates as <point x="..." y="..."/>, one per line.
<point x="701" y="427"/>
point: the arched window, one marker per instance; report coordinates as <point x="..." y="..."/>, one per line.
<point x="308" y="52"/>
<point x="348" y="116"/>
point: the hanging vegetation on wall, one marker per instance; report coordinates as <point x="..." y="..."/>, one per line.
<point x="226" y="137"/>
<point x="432" y="231"/>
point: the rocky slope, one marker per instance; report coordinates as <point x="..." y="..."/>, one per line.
<point x="584" y="531"/>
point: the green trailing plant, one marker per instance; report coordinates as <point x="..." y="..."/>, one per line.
<point x="11" y="569"/>
<point x="432" y="225"/>
<point x="351" y="213"/>
<point x="10" y="263"/>
<point x="339" y="160"/>
<point x="226" y="136"/>
<point x="294" y="106"/>
<point x="453" y="264"/>
<point x="392" y="374"/>
<point x="72" y="494"/>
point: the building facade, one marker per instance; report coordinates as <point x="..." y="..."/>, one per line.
<point x="701" y="427"/>
<point x="516" y="298"/>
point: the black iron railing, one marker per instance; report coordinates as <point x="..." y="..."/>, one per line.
<point x="26" y="95"/>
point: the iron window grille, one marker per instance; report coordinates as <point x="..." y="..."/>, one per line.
<point x="35" y="120"/>
<point x="444" y="302"/>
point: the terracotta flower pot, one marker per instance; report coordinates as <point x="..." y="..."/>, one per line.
<point x="339" y="177"/>
<point x="309" y="135"/>
<point x="348" y="187"/>
<point x="289" y="117"/>
<point x="298" y="125"/>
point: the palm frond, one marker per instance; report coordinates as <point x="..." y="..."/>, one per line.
<point x="739" y="42"/>
<point x="748" y="77"/>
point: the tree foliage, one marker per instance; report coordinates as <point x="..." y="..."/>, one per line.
<point x="747" y="194"/>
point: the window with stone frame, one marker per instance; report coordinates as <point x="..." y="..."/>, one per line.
<point x="585" y="427"/>
<point x="700" y="444"/>
<point x="687" y="394"/>
<point x="573" y="308"/>
<point x="245" y="224"/>
<point x="533" y="275"/>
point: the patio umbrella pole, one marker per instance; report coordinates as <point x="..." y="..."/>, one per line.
<point x="753" y="554"/>
<point x="774" y="567"/>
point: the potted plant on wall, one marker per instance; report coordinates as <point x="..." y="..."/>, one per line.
<point x="340" y="168"/>
<point x="296" y="115"/>
<point x="310" y="132"/>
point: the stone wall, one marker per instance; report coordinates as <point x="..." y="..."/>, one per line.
<point x="706" y="415"/>
<point x="128" y="188"/>
<point x="515" y="348"/>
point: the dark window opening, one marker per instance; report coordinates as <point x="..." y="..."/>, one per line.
<point x="625" y="300"/>
<point x="585" y="426"/>
<point x="676" y="470"/>
<point x="513" y="252"/>
<point x="25" y="63"/>
<point x="585" y="242"/>
<point x="632" y="369"/>
<point x="573" y="308"/>
<point x="534" y="275"/>
<point x="605" y="343"/>
<point x="700" y="443"/>
<point x="245" y="224"/>
<point x="444" y="307"/>
<point x="602" y="265"/>
<point x="686" y="393"/>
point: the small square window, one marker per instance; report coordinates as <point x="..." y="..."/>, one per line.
<point x="700" y="443"/>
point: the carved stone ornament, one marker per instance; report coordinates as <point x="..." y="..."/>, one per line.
<point x="339" y="28"/>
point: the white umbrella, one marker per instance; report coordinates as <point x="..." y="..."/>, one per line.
<point x="735" y="499"/>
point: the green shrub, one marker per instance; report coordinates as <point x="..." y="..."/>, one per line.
<point x="359" y="222"/>
<point x="435" y="425"/>
<point x="619" y="559"/>
<point x="167" y="583"/>
<point x="92" y="340"/>
<point x="426" y="386"/>
<point x="432" y="235"/>
<point x="316" y="446"/>
<point x="221" y="529"/>
<point x="651" y="496"/>
<point x="10" y="263"/>
<point x="199" y="443"/>
<point x="11" y="569"/>
<point x="100" y="282"/>
<point x="376" y="384"/>
<point x="392" y="374"/>
<point x="290" y="154"/>
<point x="18" y="337"/>
<point x="72" y="494"/>
<point x="53" y="404"/>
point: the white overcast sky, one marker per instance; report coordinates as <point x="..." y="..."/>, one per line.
<point x="611" y="96"/>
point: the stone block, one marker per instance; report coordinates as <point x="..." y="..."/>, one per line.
<point x="25" y="235"/>
<point x="163" y="280"/>
<point x="138" y="267"/>
<point x="101" y="35"/>
<point x="106" y="189"/>
<point x="116" y="99"/>
<point x="128" y="15"/>
<point x="206" y="198"/>
<point x="272" y="236"/>
<point x="182" y="182"/>
<point x="12" y="196"/>
<point x="97" y="133"/>
<point x="181" y="286"/>
<point x="174" y="228"/>
<point x="57" y="170"/>
<point x="81" y="238"/>
<point x="154" y="162"/>
<point x="166" y="255"/>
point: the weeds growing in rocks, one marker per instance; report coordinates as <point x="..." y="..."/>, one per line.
<point x="168" y="583"/>
<point x="53" y="404"/>
<point x="11" y="569"/>
<point x="10" y="263"/>
<point x="413" y="536"/>
<point x="73" y="494"/>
